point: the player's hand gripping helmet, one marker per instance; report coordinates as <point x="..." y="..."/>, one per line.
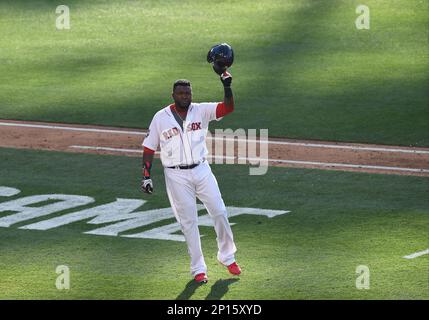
<point x="221" y="56"/>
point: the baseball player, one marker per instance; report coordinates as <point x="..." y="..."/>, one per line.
<point x="180" y="131"/>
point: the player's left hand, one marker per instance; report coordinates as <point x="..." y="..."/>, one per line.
<point x="226" y="79"/>
<point x="147" y="185"/>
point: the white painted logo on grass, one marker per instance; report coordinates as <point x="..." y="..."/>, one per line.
<point x="121" y="214"/>
<point x="8" y="192"/>
<point x="27" y="212"/>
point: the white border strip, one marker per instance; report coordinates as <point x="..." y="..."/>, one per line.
<point x="309" y="145"/>
<point x="417" y="254"/>
<point x="258" y="160"/>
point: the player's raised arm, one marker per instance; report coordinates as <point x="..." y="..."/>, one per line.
<point x="221" y="56"/>
<point x="228" y="99"/>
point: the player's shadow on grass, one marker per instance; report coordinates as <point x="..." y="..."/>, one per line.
<point x="189" y="290"/>
<point x="218" y="290"/>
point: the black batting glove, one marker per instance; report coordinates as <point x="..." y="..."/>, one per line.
<point x="226" y="79"/>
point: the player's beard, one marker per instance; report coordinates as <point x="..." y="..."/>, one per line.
<point x="183" y="105"/>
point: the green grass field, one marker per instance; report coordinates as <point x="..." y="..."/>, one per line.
<point x="338" y="221"/>
<point x="302" y="68"/>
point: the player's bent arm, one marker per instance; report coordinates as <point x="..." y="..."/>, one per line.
<point x="148" y="155"/>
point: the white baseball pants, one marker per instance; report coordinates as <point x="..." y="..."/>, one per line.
<point x="183" y="186"/>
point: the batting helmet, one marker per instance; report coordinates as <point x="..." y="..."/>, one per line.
<point x="221" y="56"/>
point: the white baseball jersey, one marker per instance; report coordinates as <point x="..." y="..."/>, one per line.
<point x="181" y="147"/>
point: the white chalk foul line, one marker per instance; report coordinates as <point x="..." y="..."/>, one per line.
<point x="139" y="133"/>
<point x="345" y="165"/>
<point x="259" y="160"/>
<point x="328" y="146"/>
<point x="417" y="254"/>
<point x="108" y="149"/>
<point x="334" y="146"/>
<point x="40" y="126"/>
<point x="133" y="151"/>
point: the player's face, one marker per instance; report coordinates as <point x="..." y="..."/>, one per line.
<point x="182" y="96"/>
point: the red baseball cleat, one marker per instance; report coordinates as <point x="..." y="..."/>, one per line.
<point x="234" y="269"/>
<point x="201" y="278"/>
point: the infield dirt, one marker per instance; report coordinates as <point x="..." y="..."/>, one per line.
<point x="281" y="152"/>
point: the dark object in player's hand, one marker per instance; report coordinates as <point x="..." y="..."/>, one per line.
<point x="221" y="56"/>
